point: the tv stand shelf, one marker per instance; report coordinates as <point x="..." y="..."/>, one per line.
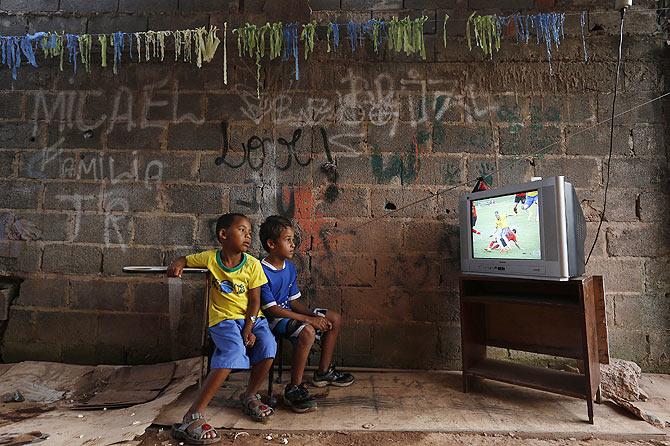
<point x="558" y="318"/>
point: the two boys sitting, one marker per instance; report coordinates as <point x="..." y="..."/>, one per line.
<point x="244" y="340"/>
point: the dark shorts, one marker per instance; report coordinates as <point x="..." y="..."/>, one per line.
<point x="291" y="328"/>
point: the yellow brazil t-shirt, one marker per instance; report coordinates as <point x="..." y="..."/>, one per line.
<point x="501" y="222"/>
<point x="229" y="293"/>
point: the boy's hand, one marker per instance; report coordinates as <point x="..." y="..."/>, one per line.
<point x="248" y="337"/>
<point x="320" y="323"/>
<point x="177" y="267"/>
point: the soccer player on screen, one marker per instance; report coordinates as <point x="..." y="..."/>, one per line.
<point x="532" y="199"/>
<point x="519" y="198"/>
<point x="474" y="219"/>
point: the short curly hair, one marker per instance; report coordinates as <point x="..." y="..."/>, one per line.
<point x="226" y="220"/>
<point x="272" y="228"/>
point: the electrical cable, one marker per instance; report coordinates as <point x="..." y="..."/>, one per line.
<point x="525" y="158"/>
<point x="609" y="156"/>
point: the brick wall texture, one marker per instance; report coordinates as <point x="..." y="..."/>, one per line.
<point x="99" y="171"/>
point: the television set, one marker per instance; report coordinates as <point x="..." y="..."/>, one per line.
<point x="535" y="229"/>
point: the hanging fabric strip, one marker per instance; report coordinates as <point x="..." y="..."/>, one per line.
<point x="582" y="22"/>
<point x="291" y="46"/>
<point x="177" y="44"/>
<point x="353" y="29"/>
<point x="276" y="33"/>
<point x="102" y="38"/>
<point x="225" y="55"/>
<point x="72" y="42"/>
<point x="118" y="50"/>
<point x="307" y="37"/>
<point x="138" y="45"/>
<point x="85" y="43"/>
<point x="444" y="29"/>
<point x="336" y="34"/>
<point x="188" y="42"/>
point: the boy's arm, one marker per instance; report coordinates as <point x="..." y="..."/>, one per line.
<point x="176" y="267"/>
<point x="253" y="306"/>
<point x="318" y="322"/>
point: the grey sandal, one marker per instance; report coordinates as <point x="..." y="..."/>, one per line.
<point x="256" y="409"/>
<point x="180" y="431"/>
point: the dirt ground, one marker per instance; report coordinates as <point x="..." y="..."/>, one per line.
<point x="161" y="437"/>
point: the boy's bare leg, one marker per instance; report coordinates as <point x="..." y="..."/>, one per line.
<point x="259" y="372"/>
<point x="209" y="388"/>
<point x="301" y="353"/>
<point x="329" y="341"/>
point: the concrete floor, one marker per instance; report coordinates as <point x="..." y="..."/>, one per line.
<point x="428" y="402"/>
<point x="401" y="406"/>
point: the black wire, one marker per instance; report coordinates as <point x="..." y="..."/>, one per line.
<point x="609" y="156"/>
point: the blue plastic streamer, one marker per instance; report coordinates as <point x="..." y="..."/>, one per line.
<point x="353" y="30"/>
<point x="118" y="49"/>
<point x="11" y="53"/>
<point x="130" y="46"/>
<point x="72" y="43"/>
<point x="291" y="39"/>
<point x="336" y="34"/>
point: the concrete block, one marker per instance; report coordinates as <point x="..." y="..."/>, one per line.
<point x="376" y="304"/>
<point x="457" y="138"/>
<point x="138" y="330"/>
<point x="151" y="297"/>
<point x="34" y="6"/>
<point x="436" y="236"/>
<point x="114" y="259"/>
<point x="657" y="276"/>
<point x="20" y="256"/>
<point x="13" y="25"/>
<point x="31" y="351"/>
<point x="99" y="295"/>
<point x="136" y="139"/>
<point x="19" y="194"/>
<point x="403" y="203"/>
<point x="127" y="197"/>
<point x="353" y="270"/>
<point x="12" y="105"/>
<point x="50" y="327"/>
<point x="164" y="231"/>
<point x="73" y="196"/>
<point x="410" y="271"/>
<point x="168" y="21"/>
<point x="416" y="344"/>
<point x="536" y="138"/>
<point x="648" y="314"/>
<point x="72" y="25"/>
<point x="98" y="6"/>
<point x="40" y="292"/>
<point x="371" y="4"/>
<point x="153" y="6"/>
<point x="641" y="240"/>
<point x="72" y="259"/>
<point x="109" y="24"/>
<point x="191" y="199"/>
<point x="350" y="202"/>
<point x="581" y="172"/>
<point x="189" y="136"/>
<point x="619" y="275"/>
<point x="628" y="344"/>
<point x="18" y="135"/>
<point x="318" y="5"/>
<point x="20" y="326"/>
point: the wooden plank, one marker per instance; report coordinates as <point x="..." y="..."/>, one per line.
<point x="601" y="319"/>
<point x="550" y="380"/>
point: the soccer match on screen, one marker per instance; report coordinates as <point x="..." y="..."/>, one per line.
<point x="507" y="227"/>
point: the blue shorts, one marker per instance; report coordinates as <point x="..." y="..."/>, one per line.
<point x="530" y="201"/>
<point x="230" y="352"/>
<point x="290" y="328"/>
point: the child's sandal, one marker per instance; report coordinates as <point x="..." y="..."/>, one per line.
<point x="180" y="431"/>
<point x="256" y="409"/>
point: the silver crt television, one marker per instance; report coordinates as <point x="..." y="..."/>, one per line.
<point x="534" y="230"/>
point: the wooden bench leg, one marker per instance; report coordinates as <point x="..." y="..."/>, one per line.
<point x="589" y="406"/>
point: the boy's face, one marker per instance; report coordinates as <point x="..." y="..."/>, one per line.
<point x="285" y="245"/>
<point x="238" y="236"/>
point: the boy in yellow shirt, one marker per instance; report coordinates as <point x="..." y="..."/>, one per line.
<point x="241" y="338"/>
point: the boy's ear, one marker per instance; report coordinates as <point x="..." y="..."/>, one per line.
<point x="271" y="243"/>
<point x="222" y="234"/>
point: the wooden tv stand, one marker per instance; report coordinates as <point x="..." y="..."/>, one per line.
<point x="558" y="318"/>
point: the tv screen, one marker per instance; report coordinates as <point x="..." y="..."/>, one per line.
<point x="507" y="227"/>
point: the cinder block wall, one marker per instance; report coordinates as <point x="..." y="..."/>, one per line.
<point x="99" y="171"/>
